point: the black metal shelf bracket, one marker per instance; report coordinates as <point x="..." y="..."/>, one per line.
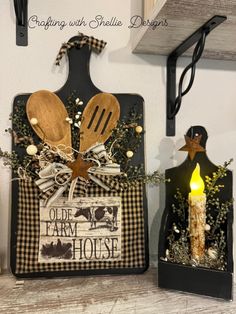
<point x="21" y="11"/>
<point x="198" y="38"/>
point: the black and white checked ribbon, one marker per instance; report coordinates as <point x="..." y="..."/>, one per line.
<point x="95" y="44"/>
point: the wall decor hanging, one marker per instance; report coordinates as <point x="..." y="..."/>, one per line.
<point x="195" y="243"/>
<point x="21" y="12"/>
<point x="78" y="191"/>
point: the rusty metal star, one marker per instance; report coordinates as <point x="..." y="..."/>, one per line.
<point x="192" y="146"/>
<point x="80" y="168"/>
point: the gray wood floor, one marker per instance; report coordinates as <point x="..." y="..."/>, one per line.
<point x="113" y="294"/>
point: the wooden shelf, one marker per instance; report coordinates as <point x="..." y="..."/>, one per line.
<point x="184" y="17"/>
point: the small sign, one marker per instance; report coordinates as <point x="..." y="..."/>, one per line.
<point x="84" y="229"/>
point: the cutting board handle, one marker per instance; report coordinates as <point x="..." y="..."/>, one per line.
<point x="79" y="69"/>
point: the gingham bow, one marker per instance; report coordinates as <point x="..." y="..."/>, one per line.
<point x="95" y="44"/>
<point x="55" y="180"/>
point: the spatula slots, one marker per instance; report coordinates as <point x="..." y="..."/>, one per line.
<point x="99" y="118"/>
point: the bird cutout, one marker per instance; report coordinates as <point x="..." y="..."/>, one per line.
<point x="192" y="146"/>
<point x="80" y="168"/>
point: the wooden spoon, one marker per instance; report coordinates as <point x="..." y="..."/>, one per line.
<point x="99" y="118"/>
<point x="51" y="115"/>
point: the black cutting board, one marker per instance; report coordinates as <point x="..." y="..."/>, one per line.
<point x="79" y="80"/>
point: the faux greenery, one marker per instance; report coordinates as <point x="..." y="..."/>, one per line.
<point x="73" y="108"/>
<point x="10" y="160"/>
<point x="124" y="138"/>
<point x="178" y="248"/>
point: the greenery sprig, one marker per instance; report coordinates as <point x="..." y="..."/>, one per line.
<point x="19" y="119"/>
<point x="211" y="182"/>
<point x="124" y="138"/>
<point x="73" y="108"/>
<point x="10" y="160"/>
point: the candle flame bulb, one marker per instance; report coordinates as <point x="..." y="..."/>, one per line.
<point x="196" y="183"/>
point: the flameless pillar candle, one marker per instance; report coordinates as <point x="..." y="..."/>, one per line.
<point x="197" y="215"/>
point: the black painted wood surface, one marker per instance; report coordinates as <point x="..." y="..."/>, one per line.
<point x="198" y="280"/>
<point x="79" y="80"/>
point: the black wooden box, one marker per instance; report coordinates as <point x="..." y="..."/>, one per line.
<point x="200" y="280"/>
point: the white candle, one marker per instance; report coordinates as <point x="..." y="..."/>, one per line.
<point x="197" y="215"/>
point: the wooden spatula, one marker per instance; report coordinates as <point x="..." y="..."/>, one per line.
<point x="99" y="118"/>
<point x="51" y="115"/>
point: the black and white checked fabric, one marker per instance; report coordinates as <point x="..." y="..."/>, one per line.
<point x="28" y="230"/>
<point x="95" y="44"/>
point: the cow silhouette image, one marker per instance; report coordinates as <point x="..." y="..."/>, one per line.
<point x="105" y="214"/>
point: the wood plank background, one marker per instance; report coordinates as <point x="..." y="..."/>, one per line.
<point x="105" y="294"/>
<point x="184" y="17"/>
